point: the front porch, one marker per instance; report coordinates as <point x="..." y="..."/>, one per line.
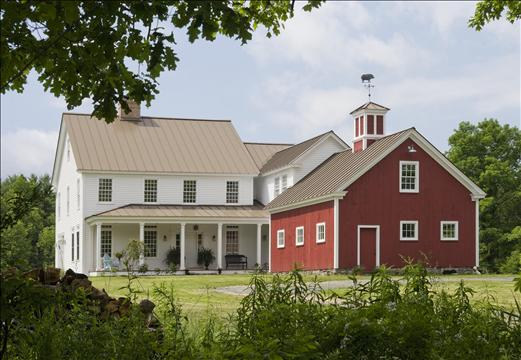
<point x="226" y="237"/>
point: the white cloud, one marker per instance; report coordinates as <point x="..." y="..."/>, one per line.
<point x="28" y="151"/>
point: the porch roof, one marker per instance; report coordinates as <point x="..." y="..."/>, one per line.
<point x="185" y="211"/>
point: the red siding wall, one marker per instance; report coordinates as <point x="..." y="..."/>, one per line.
<point x="370" y="124"/>
<point x="358" y="146"/>
<point x="374" y="199"/>
<point x="379" y="124"/>
<point x="311" y="256"/>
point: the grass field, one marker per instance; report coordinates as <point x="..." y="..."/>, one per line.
<point x="198" y="295"/>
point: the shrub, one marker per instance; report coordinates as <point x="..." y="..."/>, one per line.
<point x="173" y="257"/>
<point x="205" y="257"/>
<point x="143" y="268"/>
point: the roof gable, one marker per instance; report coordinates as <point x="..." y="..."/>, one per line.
<point x="262" y="152"/>
<point x="290" y="155"/>
<point x="158" y="145"/>
<point x="342" y="169"/>
<point x="369" y="106"/>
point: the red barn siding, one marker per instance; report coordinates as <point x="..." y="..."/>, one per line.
<point x="374" y="199"/>
<point x="358" y="146"/>
<point x="370" y="124"/>
<point x="380" y="124"/>
<point x="311" y="256"/>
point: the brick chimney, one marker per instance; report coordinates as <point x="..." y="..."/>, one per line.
<point x="369" y="125"/>
<point x="133" y="115"/>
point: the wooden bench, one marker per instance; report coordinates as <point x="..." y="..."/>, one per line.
<point x="236" y="259"/>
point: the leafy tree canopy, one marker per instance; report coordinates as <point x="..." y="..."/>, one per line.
<point x="490" y="10"/>
<point x="490" y="154"/>
<point x="86" y="49"/>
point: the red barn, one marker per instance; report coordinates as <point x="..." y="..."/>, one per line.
<point x="388" y="198"/>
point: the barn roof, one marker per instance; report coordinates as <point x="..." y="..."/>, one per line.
<point x="370" y="106"/>
<point x="162" y="145"/>
<point x="262" y="152"/>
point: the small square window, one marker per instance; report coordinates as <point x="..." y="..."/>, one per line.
<point x="321" y="232"/>
<point x="150" y="194"/>
<point x="299" y="236"/>
<point x="408" y="230"/>
<point x="409" y="176"/>
<point x="449" y="230"/>
<point x="189" y="191"/>
<point x="232" y="192"/>
<point x="280" y="239"/>
<point x="105" y="190"/>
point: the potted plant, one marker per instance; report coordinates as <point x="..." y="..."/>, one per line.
<point x="173" y="258"/>
<point x="205" y="257"/>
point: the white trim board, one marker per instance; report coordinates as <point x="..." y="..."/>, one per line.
<point x="358" y="228"/>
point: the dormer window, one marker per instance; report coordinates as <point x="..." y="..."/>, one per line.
<point x="150" y="193"/>
<point x="284" y="183"/>
<point x="189" y="191"/>
<point x="409" y="176"/>
<point x="232" y="192"/>
<point x="105" y="190"/>
<point x="277" y="186"/>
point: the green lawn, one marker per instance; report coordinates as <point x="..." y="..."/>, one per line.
<point x="197" y="294"/>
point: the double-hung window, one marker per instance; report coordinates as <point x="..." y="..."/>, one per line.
<point x="189" y="191"/>
<point x="150" y="240"/>
<point x="232" y="192"/>
<point x="321" y="232"/>
<point x="449" y="230"/>
<point x="150" y="190"/>
<point x="232" y="239"/>
<point x="106" y="240"/>
<point x="77" y="245"/>
<point x="299" y="236"/>
<point x="277" y="186"/>
<point x="284" y="182"/>
<point x="408" y="230"/>
<point x="72" y="246"/>
<point x="280" y="239"/>
<point x="409" y="176"/>
<point x="104" y="190"/>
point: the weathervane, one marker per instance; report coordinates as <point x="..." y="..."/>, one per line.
<point x="366" y="80"/>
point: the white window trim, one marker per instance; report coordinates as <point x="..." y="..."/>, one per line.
<point x="296" y="236"/>
<point x="321" y="241"/>
<point x="111" y="190"/>
<point x="157" y="190"/>
<point x="226" y="192"/>
<point x="456" y="223"/>
<point x="183" y="193"/>
<point x="416" y="230"/>
<point x="281" y="246"/>
<point x="416" y="180"/>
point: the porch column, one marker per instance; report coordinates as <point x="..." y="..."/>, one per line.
<point x="269" y="245"/>
<point x="219" y="246"/>
<point x="142" y="241"/>
<point x="182" y="250"/>
<point x="259" y="245"/>
<point x="97" y="253"/>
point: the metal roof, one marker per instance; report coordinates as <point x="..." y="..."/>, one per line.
<point x="287" y="156"/>
<point x="186" y="211"/>
<point x="156" y="144"/>
<point x="335" y="171"/>
<point x="370" y="106"/>
<point x="262" y="152"/>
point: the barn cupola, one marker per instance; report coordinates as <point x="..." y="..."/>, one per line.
<point x="369" y="125"/>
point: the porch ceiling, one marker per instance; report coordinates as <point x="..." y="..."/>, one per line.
<point x="185" y="211"/>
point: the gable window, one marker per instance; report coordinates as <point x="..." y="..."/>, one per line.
<point x="321" y="232"/>
<point x="232" y="192"/>
<point x="150" y="240"/>
<point x="78" y="194"/>
<point x="280" y="239"/>
<point x="277" y="186"/>
<point x="449" y="230"/>
<point x="232" y="239"/>
<point x="408" y="230"/>
<point x="150" y="194"/>
<point x="299" y="236"/>
<point x="77" y="245"/>
<point x="72" y="246"/>
<point x="284" y="183"/>
<point x="105" y="190"/>
<point x="189" y="191"/>
<point x="409" y="176"/>
<point x="106" y="240"/>
<point x="68" y="200"/>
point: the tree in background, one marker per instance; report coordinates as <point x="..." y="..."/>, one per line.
<point x="87" y="49"/>
<point x="27" y="222"/>
<point x="490" y="10"/>
<point x="490" y="154"/>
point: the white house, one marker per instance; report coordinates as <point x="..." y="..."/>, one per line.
<point x="170" y="182"/>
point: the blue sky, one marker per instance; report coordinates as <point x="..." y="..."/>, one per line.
<point x="430" y="68"/>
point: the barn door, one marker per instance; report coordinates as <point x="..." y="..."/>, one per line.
<point x="368" y="247"/>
